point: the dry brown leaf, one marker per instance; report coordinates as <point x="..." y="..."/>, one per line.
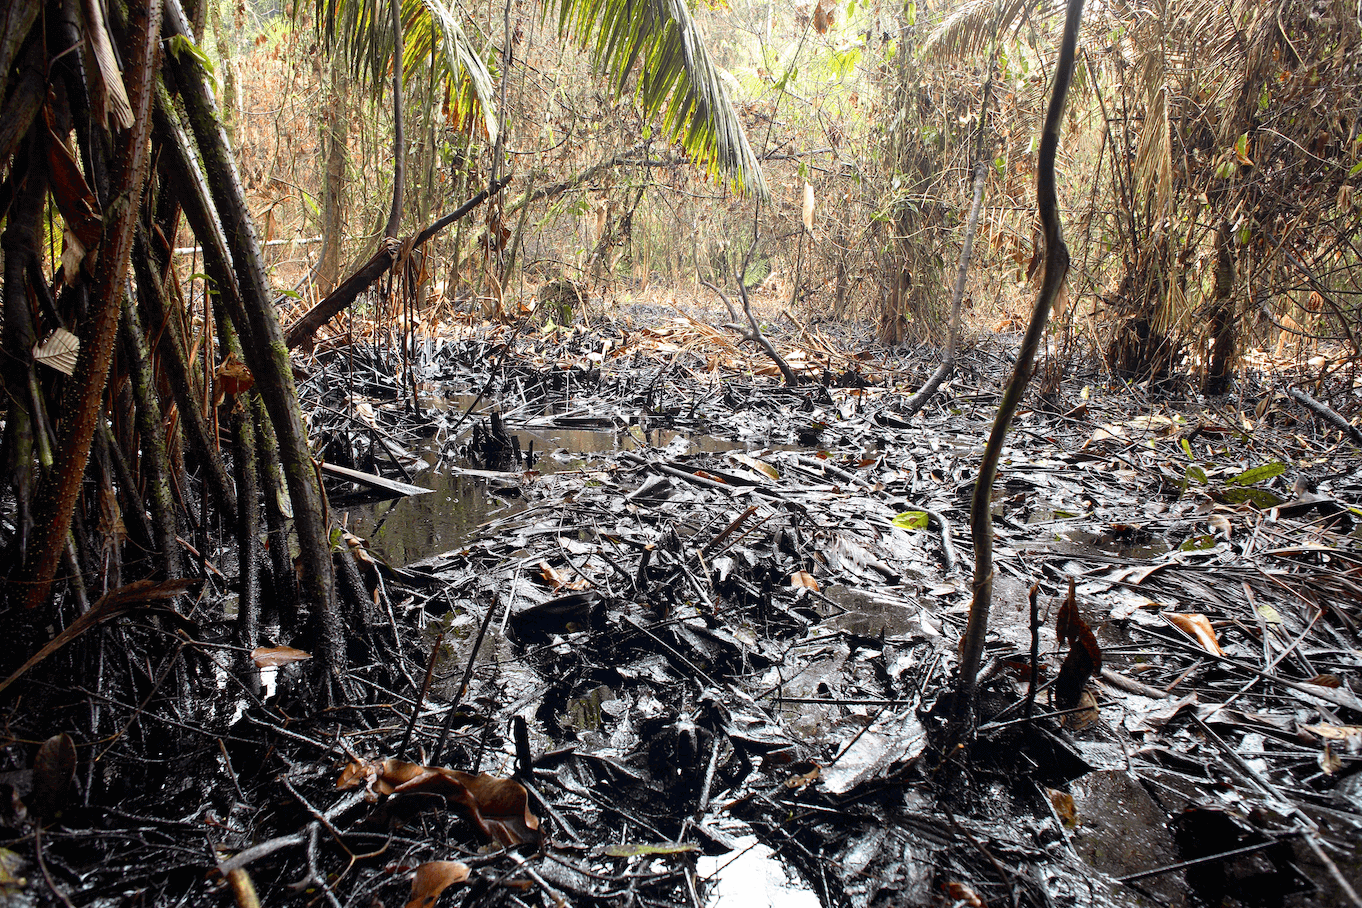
<point x="1335" y="732"/>
<point x="498" y="807"/>
<point x="1065" y="808"/>
<point x="1197" y="626"/>
<point x="1329" y="761"/>
<point x="54" y="776"/>
<point x="804" y="579"/>
<point x="760" y="466"/>
<point x="433" y="878"/>
<point x="59" y="351"/>
<point x="962" y="893"/>
<point x="233" y="376"/>
<point x="273" y="656"/>
<point x="553" y="577"/>
<point x="1083" y="661"/>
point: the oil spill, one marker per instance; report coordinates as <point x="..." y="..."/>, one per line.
<point x="403" y="530"/>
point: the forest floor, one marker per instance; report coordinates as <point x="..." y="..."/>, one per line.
<point x="690" y="632"/>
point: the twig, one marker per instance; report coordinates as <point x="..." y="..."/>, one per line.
<point x="42" y="865"/>
<point x="255" y="852"/>
<point x="421" y="696"/>
<point x="943" y="528"/>
<point x="1183" y="865"/>
<point x="1033" y="599"/>
<point x="1339" y="697"/>
<point x="463" y="684"/>
<point x="314" y="875"/>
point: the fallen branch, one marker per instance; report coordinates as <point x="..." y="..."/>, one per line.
<point x="1327" y="413"/>
<point x="753" y="332"/>
<point x="338" y="300"/>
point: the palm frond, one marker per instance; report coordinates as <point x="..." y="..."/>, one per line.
<point x="362" y="31"/>
<point x="439" y="36"/>
<point x="1154" y="159"/>
<point x="970" y="30"/>
<point x="678" y="79"/>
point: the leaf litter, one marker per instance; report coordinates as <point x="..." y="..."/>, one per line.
<point x="732" y="617"/>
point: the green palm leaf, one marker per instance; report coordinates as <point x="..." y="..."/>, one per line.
<point x="678" y="80"/>
<point x="437" y="35"/>
<point x="362" y="31"/>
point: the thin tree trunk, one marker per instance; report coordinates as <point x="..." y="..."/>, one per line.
<point x="270" y="474"/>
<point x="57" y="495"/>
<point x="334" y="140"/>
<point x="226" y="65"/>
<point x="1056" y="271"/>
<point x="249" y="545"/>
<point x="1222" y="323"/>
<point x="399" y="157"/>
<point x="156" y="314"/>
<point x="20" y="244"/>
<point x="263" y="342"/>
<point x="150" y="427"/>
<point x="925" y="393"/>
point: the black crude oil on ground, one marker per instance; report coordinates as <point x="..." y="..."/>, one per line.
<point x="665" y="626"/>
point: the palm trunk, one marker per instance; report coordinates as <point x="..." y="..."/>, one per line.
<point x="155" y="313"/>
<point x="20" y="244"/>
<point x="57" y="494"/>
<point x="155" y="466"/>
<point x="252" y="311"/>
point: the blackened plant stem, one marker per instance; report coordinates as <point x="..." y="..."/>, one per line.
<point x="1056" y="270"/>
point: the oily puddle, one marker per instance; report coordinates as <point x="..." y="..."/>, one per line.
<point x="463" y="498"/>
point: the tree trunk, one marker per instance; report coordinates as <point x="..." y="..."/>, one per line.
<point x="334" y="142"/>
<point x="399" y="153"/>
<point x="1220" y="364"/>
<point x="226" y="65"/>
<point x="57" y="493"/>
<point x="20" y="244"/>
<point x="263" y="342"/>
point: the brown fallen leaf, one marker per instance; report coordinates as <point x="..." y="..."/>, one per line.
<point x="557" y="580"/>
<point x="1085" y="655"/>
<point x="498" y="807"/>
<point x="804" y="579"/>
<point x="54" y="776"/>
<point x="962" y="893"/>
<point x="233" y="377"/>
<point x="433" y="878"/>
<point x="271" y="656"/>
<point x="1197" y="626"/>
<point x="1064" y="806"/>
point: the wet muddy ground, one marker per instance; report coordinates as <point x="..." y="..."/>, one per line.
<point x="696" y="629"/>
